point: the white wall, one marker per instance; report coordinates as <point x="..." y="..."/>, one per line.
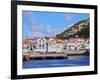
<point x="5" y="30"/>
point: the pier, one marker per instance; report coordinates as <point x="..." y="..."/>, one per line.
<point x="41" y="56"/>
<point x="77" y="52"/>
<point x="54" y="55"/>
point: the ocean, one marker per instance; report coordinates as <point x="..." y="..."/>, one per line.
<point x="80" y="60"/>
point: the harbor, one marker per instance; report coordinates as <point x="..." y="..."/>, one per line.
<point x="48" y="40"/>
<point x="70" y="61"/>
<point x="52" y="48"/>
<point x="42" y="56"/>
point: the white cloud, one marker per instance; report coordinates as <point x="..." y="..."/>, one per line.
<point x="69" y="16"/>
<point x="37" y="34"/>
<point x="34" y="28"/>
<point x="38" y="29"/>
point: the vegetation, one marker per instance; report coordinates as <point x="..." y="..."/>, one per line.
<point x="80" y="29"/>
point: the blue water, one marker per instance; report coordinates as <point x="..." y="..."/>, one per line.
<point x="82" y="60"/>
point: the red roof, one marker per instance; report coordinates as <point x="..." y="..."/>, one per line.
<point x="25" y="42"/>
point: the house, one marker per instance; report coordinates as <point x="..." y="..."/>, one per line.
<point x="40" y="45"/>
<point x="28" y="46"/>
<point x="55" y="45"/>
<point x="25" y="44"/>
<point x="76" y="44"/>
<point x="49" y="45"/>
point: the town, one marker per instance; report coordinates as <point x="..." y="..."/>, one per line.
<point x="51" y="45"/>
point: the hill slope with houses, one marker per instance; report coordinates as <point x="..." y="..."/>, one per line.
<point x="79" y="30"/>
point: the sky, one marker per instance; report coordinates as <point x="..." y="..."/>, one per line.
<point x="42" y="24"/>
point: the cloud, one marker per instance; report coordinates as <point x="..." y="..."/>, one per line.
<point x="37" y="34"/>
<point x="69" y="16"/>
<point x="36" y="29"/>
<point x="49" y="29"/>
<point x="28" y="18"/>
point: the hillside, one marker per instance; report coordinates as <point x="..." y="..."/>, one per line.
<point x="80" y="29"/>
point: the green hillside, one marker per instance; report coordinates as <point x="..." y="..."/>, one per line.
<point x="80" y="29"/>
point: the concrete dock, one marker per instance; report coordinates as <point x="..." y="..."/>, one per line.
<point x="61" y="55"/>
<point x="77" y="52"/>
<point x="39" y="56"/>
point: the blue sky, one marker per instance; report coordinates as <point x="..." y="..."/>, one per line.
<point x="41" y="24"/>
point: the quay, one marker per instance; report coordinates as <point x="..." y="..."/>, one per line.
<point x="41" y="56"/>
<point x="62" y="55"/>
<point x="77" y="52"/>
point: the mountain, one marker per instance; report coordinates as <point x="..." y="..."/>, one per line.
<point x="80" y="29"/>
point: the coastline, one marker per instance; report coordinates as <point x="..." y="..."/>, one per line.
<point x="44" y="56"/>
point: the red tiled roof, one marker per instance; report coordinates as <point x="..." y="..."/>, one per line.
<point x="25" y="42"/>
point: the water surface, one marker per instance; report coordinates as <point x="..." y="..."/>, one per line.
<point x="82" y="60"/>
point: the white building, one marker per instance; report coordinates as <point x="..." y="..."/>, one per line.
<point x="76" y="44"/>
<point x="40" y="45"/>
<point x="55" y="45"/>
<point x="50" y="45"/>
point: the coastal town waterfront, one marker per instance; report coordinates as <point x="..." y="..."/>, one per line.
<point x="51" y="41"/>
<point x="72" y="52"/>
<point x="47" y="44"/>
<point x="44" y="47"/>
<point x="52" y="47"/>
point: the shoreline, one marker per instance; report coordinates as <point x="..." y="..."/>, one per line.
<point x="51" y="56"/>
